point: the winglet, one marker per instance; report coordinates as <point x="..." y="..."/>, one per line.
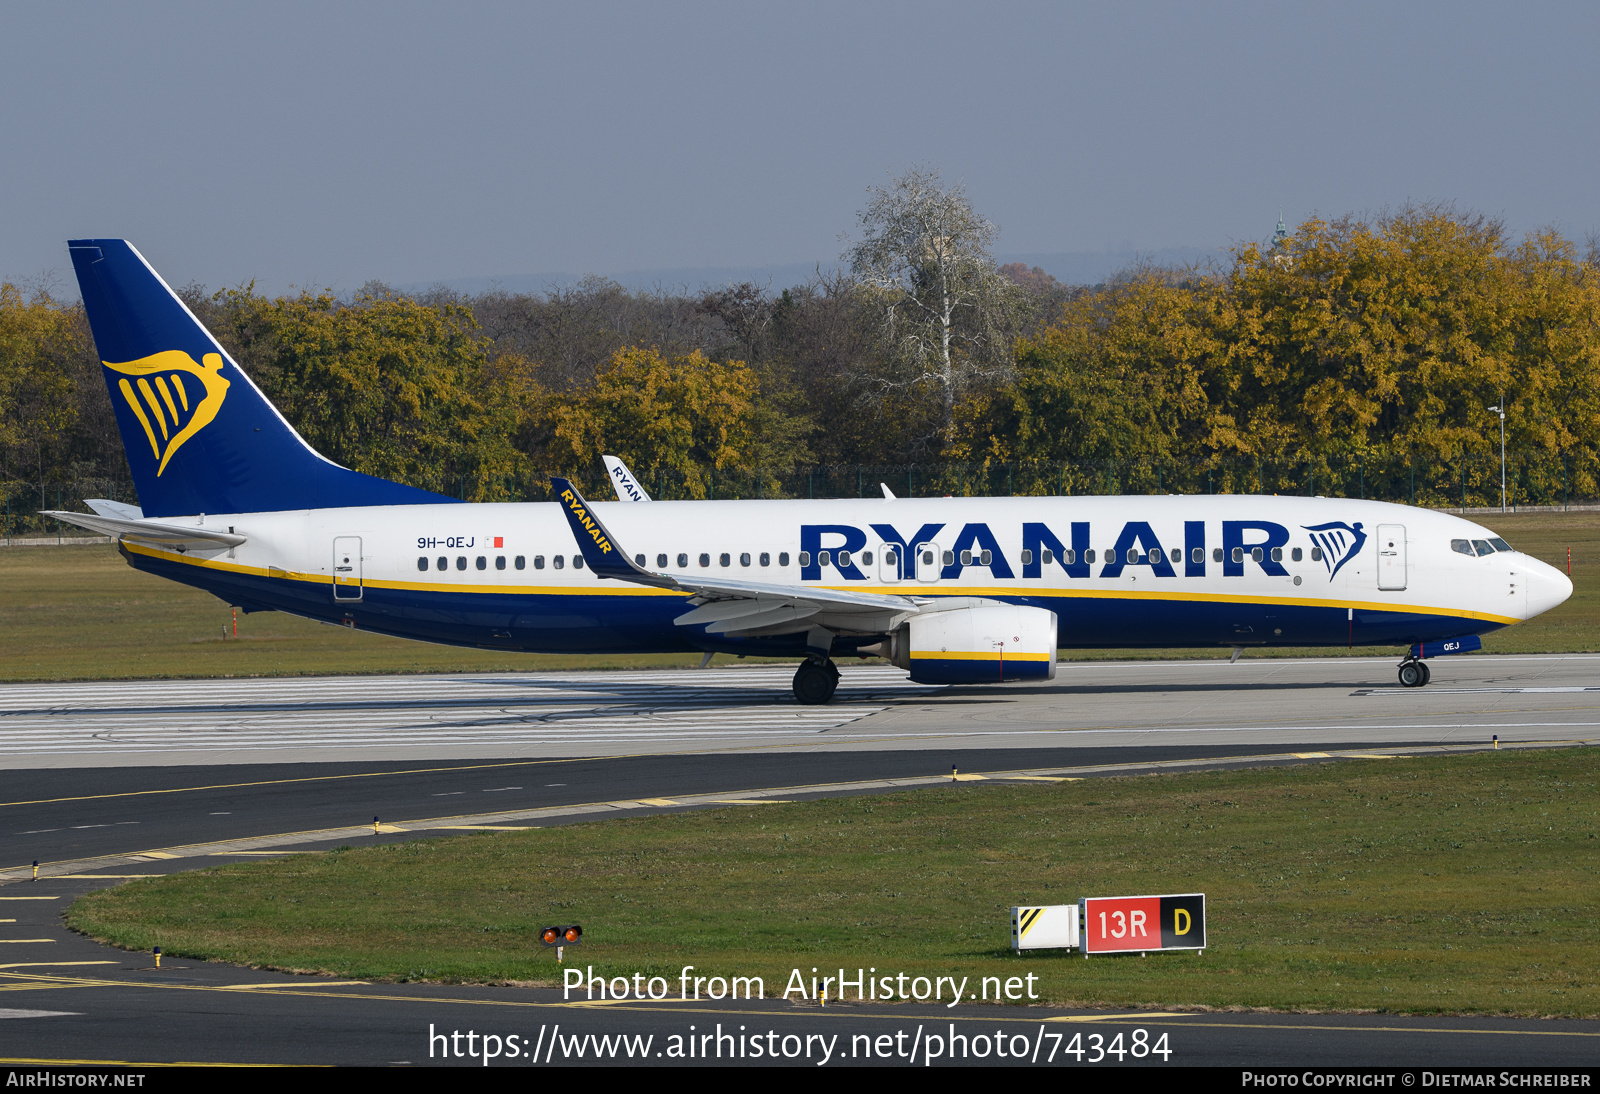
<point x="600" y="549"/>
<point x="624" y="480"/>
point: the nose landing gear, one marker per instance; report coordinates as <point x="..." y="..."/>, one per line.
<point x="815" y="681"/>
<point x="1414" y="674"/>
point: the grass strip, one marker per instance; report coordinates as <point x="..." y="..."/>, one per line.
<point x="1462" y="883"/>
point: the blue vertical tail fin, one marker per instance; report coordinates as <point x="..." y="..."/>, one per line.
<point x="200" y="436"/>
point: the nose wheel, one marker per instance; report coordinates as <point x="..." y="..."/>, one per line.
<point x="1414" y="674"/>
<point x="815" y="681"/>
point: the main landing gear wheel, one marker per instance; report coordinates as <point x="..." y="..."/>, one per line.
<point x="815" y="681"/>
<point x="1414" y="674"/>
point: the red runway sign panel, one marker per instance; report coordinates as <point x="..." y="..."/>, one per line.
<point x="1138" y="924"/>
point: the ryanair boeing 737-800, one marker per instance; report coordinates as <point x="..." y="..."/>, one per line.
<point x="955" y="590"/>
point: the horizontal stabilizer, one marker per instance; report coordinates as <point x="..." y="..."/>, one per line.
<point x="108" y="508"/>
<point x="149" y="530"/>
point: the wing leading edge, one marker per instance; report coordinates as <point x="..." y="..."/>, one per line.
<point x="727" y="606"/>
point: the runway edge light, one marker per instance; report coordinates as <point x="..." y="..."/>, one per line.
<point x="561" y="937"/>
<point x="1047" y="927"/>
<point x="1140" y="924"/>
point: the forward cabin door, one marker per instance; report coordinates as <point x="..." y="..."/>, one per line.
<point x="347" y="568"/>
<point x="1392" y="556"/>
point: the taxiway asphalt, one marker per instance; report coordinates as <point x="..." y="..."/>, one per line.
<point x="1255" y="702"/>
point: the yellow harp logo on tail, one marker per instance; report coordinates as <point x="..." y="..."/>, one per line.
<point x="172" y="397"/>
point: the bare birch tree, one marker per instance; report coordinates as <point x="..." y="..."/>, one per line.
<point x="948" y="315"/>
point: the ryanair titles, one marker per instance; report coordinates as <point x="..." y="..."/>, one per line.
<point x="1256" y="543"/>
<point x="583" y="523"/>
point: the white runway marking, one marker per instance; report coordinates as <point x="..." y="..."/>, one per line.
<point x="13" y="1012"/>
<point x="510" y="710"/>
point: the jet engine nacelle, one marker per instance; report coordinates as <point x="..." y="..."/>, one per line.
<point x="981" y="644"/>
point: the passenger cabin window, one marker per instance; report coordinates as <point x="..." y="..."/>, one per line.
<point x="1198" y="556"/>
<point x="744" y="558"/>
<point x="577" y="562"/>
<point x="985" y="558"/>
<point x="783" y="558"/>
<point x="1133" y="554"/>
<point x="638" y="560"/>
<point x="1027" y="557"/>
<point x="538" y="562"/>
<point x="1238" y="554"/>
<point x="522" y="562"/>
<point x="966" y="558"/>
<point x="661" y="562"/>
<point x="866" y="558"/>
<point x="1277" y="554"/>
<point x="725" y="559"/>
<point x="443" y="563"/>
<point x="483" y="563"/>
<point x="824" y="558"/>
<point x="1295" y="555"/>
<point x="844" y="559"/>
<point x="1088" y="556"/>
<point x="1177" y="555"/>
<point x="805" y="558"/>
<point x="461" y="562"/>
<point x="500" y="562"/>
<point x="559" y="561"/>
<point x="705" y="560"/>
<point x="949" y="558"/>
<point x="766" y="558"/>
<point x="1216" y="554"/>
<point x="927" y="558"/>
<point x="1462" y="547"/>
<point x="422" y="564"/>
<point x="1255" y="553"/>
<point x="891" y="557"/>
<point x="1316" y="554"/>
<point x="683" y="562"/>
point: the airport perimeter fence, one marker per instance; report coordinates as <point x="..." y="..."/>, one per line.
<point x="1471" y="482"/>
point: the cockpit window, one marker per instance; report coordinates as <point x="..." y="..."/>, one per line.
<point x="1462" y="547"/>
<point x="1483" y="547"/>
<point x="1499" y="544"/>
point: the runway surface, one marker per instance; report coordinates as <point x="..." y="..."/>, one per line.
<point x="1089" y="705"/>
<point x="115" y="781"/>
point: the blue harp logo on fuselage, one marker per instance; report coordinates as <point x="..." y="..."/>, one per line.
<point x="1340" y="543"/>
<point x="173" y="397"/>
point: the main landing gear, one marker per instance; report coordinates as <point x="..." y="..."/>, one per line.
<point x="815" y="681"/>
<point x="1414" y="674"/>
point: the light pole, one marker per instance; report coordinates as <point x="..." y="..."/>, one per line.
<point x="1501" y="410"/>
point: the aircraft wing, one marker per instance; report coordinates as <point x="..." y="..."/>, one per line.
<point x="727" y="605"/>
<point x="148" y="530"/>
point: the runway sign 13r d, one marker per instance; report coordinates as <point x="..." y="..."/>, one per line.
<point x="1139" y="924"/>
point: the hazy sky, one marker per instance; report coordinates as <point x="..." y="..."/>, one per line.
<point x="329" y="143"/>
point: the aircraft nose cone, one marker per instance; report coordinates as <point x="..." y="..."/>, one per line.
<point x="1547" y="587"/>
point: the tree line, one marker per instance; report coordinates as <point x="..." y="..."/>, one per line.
<point x="1368" y="345"/>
